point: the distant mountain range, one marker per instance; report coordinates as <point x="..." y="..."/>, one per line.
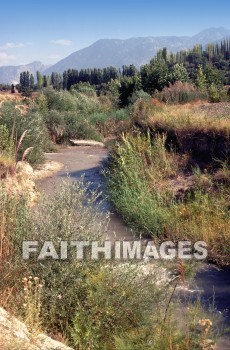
<point x="11" y="74"/>
<point x="117" y="52"/>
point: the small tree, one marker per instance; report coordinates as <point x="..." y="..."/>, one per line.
<point x="31" y="81"/>
<point x="201" y="82"/>
<point x="179" y="73"/>
<point x="39" y="80"/>
<point x="12" y="89"/>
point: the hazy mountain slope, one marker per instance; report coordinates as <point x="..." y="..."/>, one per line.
<point x="116" y="52"/>
<point x="11" y="74"/>
<point x="137" y="51"/>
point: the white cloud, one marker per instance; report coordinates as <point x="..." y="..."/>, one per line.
<point x="11" y="45"/>
<point x="5" y="59"/>
<point x="63" y="42"/>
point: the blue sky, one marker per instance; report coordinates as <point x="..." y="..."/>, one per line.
<point x="50" y="30"/>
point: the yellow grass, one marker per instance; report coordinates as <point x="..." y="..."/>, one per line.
<point x="187" y="117"/>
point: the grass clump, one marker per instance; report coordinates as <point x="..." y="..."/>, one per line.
<point x="137" y="167"/>
<point x="36" y="133"/>
<point x="141" y="181"/>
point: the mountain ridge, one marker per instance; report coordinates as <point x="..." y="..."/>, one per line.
<point x="11" y="74"/>
<point x="117" y="52"/>
<point x="137" y="51"/>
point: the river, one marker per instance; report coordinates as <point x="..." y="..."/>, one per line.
<point x="87" y="162"/>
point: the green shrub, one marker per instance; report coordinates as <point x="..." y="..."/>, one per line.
<point x="137" y="167"/>
<point x="217" y="93"/>
<point x="115" y="301"/>
<point x="32" y="122"/>
<point x="85" y="89"/>
<point x="5" y="142"/>
<point x="55" y="123"/>
<point x="59" y="100"/>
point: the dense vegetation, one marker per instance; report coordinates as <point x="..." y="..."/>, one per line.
<point x="168" y="176"/>
<point x="207" y="70"/>
<point x="89" y="304"/>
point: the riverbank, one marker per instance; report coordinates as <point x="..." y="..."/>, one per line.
<point x="87" y="162"/>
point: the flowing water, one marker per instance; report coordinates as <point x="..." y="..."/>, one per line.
<point x="87" y="162"/>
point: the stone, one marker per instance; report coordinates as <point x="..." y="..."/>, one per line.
<point x="15" y="335"/>
<point x="86" y="143"/>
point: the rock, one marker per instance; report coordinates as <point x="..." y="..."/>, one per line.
<point x="24" y="169"/>
<point x="86" y="143"/>
<point x="15" y="335"/>
<point x="22" y="183"/>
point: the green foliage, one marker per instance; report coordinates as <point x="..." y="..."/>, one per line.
<point x="201" y="82"/>
<point x="42" y="103"/>
<point x="139" y="183"/>
<point x="138" y="201"/>
<point x="92" y="304"/>
<point x="5" y="141"/>
<point x="214" y="95"/>
<point x="139" y="94"/>
<point x="85" y="88"/>
<point x="36" y="131"/>
<point x="128" y="85"/>
<point x="179" y="73"/>
<point x="7" y="152"/>
<point x="217" y="93"/>
<point x="114" y="302"/>
<point x="39" y="80"/>
<point x="60" y="101"/>
<point x="155" y="76"/>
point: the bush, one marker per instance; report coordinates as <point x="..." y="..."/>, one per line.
<point x="59" y="100"/>
<point x="32" y="122"/>
<point x="179" y="93"/>
<point x="217" y="93"/>
<point x="114" y="301"/>
<point x="136" y="170"/>
<point x="7" y="157"/>
<point x="55" y="123"/>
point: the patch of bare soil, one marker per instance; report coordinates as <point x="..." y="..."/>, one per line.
<point x="47" y="169"/>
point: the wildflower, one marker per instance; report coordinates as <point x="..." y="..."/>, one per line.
<point x="40" y="286"/>
<point x="24" y="280"/>
<point x="36" y="279"/>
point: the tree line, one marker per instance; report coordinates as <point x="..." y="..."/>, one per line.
<point x="212" y="64"/>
